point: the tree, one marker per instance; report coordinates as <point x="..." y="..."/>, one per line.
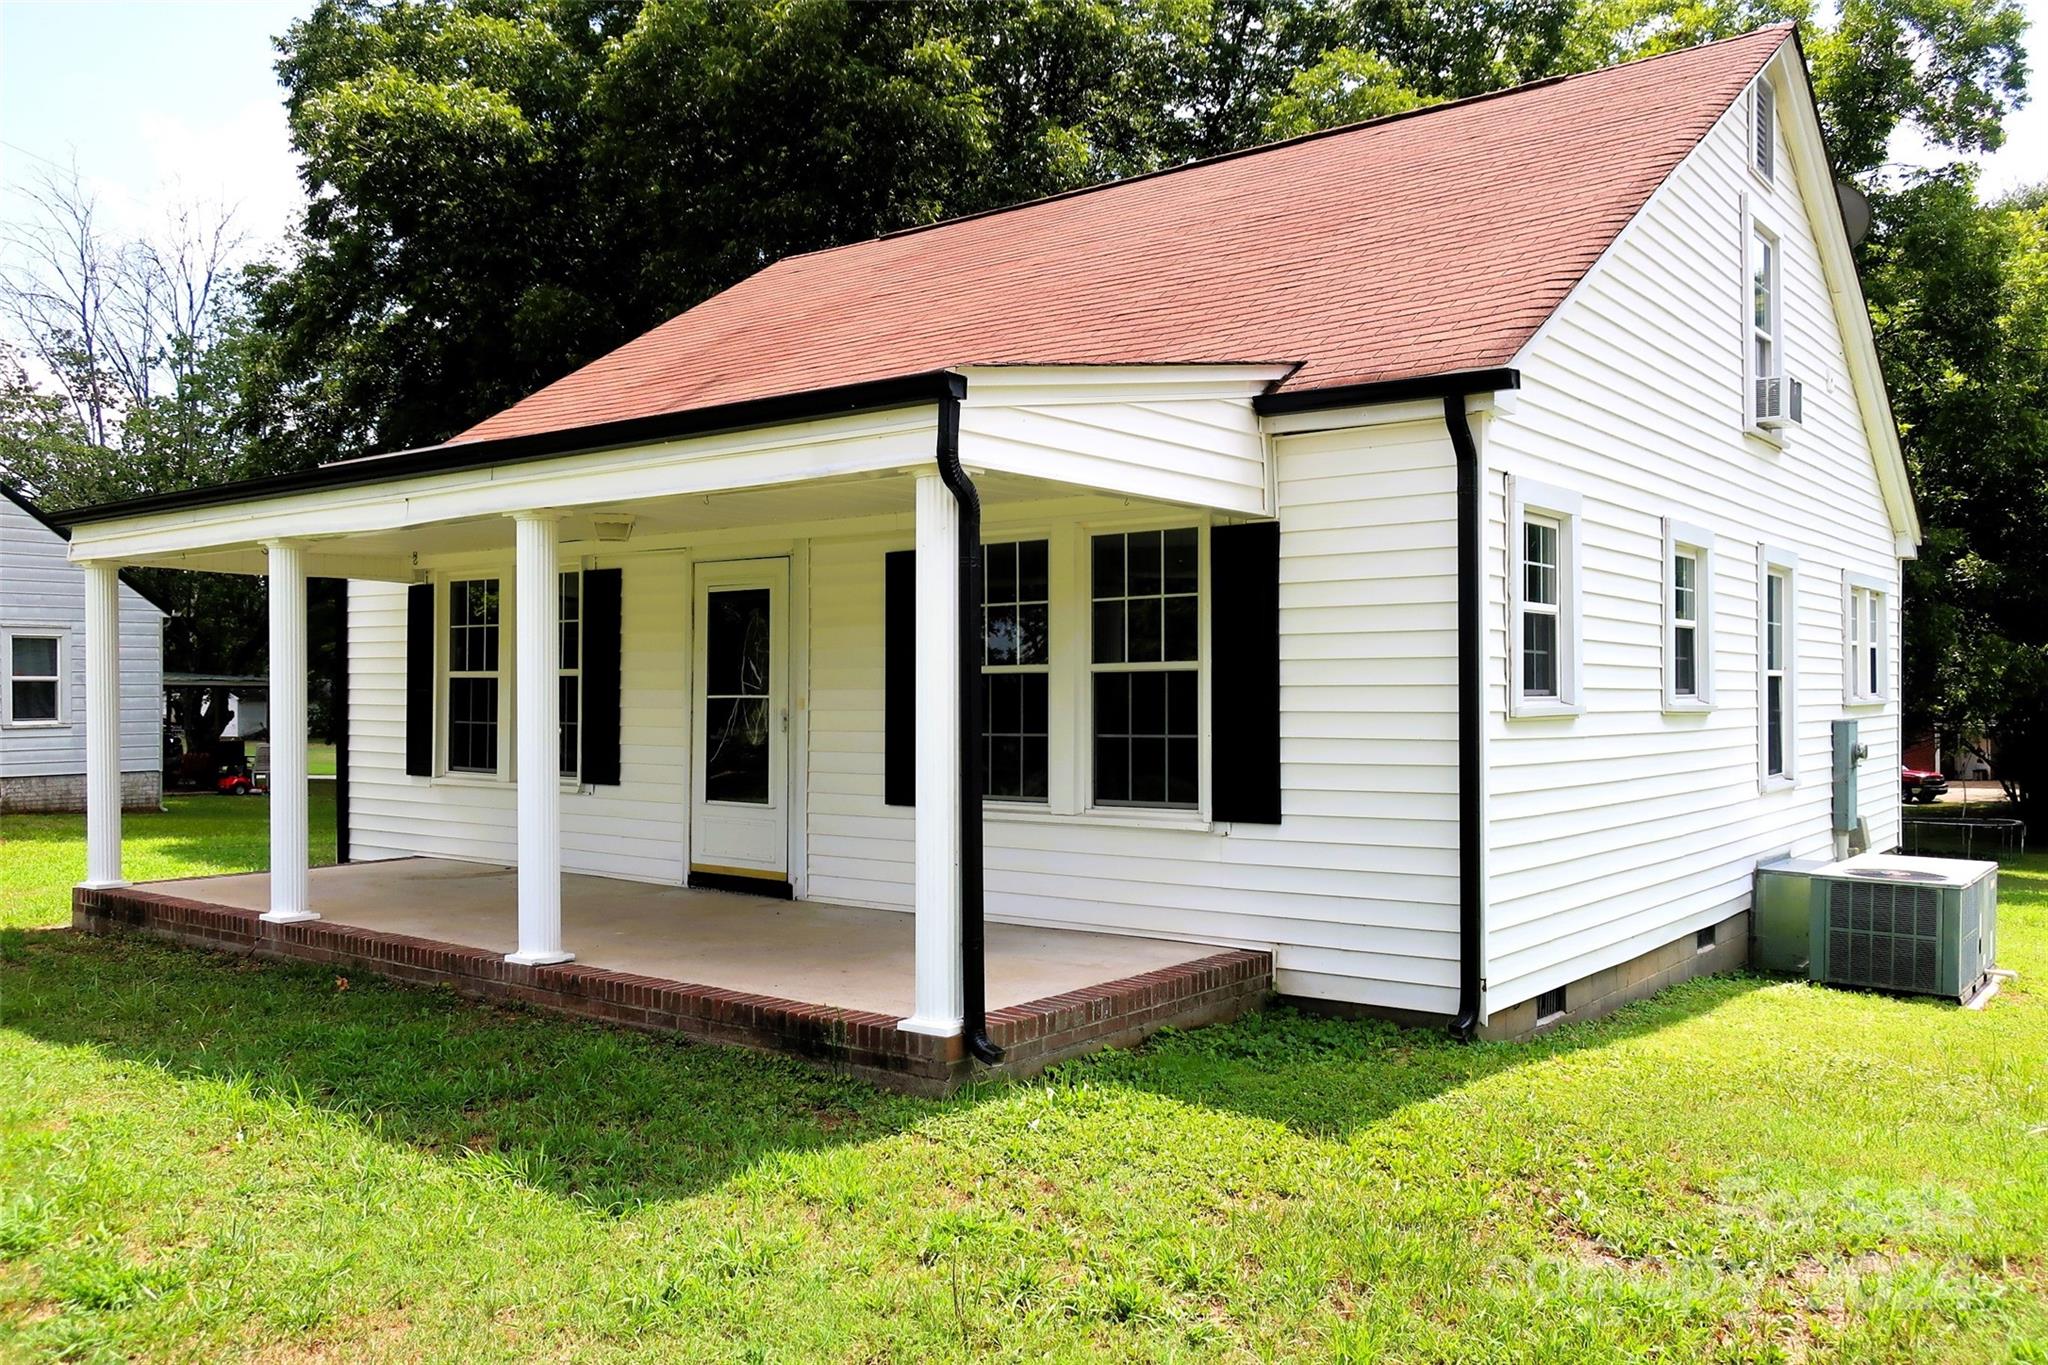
<point x="1958" y="294"/>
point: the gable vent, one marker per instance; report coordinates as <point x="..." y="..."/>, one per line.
<point x="1763" y="111"/>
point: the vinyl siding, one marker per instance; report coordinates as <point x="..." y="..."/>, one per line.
<point x="632" y="830"/>
<point x="1619" y="829"/>
<point x="40" y="586"/>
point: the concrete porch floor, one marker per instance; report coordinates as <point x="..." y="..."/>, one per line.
<point x="810" y="951"/>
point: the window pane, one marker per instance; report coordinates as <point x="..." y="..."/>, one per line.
<point x="1109" y="632"/>
<point x="1685" y="668"/>
<point x="571" y="747"/>
<point x="999" y="582"/>
<point x="1183" y="762"/>
<point x="1182" y="547"/>
<point x="736" y="749"/>
<point x="1539" y="563"/>
<point x="1182" y="629"/>
<point x="1147" y="628"/>
<point x="473" y="724"/>
<point x="35" y="701"/>
<point x="1031" y="575"/>
<point x="1685" y="587"/>
<point x="1001" y="641"/>
<point x="1032" y="647"/>
<point x="1112" y="770"/>
<point x="1775" y="721"/>
<point x="572" y="620"/>
<point x="1108" y="566"/>
<point x="1774" y="621"/>
<point x="1148" y="770"/>
<point x="736" y="642"/>
<point x="1539" y="654"/>
<point x="35" y="656"/>
<point x="1143" y="558"/>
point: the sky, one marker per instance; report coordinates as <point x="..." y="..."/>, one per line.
<point x="176" y="101"/>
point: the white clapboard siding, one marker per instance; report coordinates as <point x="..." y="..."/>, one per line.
<point x="634" y="830"/>
<point x="1619" y="829"/>
<point x="40" y="586"/>
<point x="1186" y="435"/>
<point x="1357" y="888"/>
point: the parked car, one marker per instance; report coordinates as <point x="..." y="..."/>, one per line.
<point x="1918" y="784"/>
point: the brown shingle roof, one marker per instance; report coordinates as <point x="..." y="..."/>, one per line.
<point x="1409" y="246"/>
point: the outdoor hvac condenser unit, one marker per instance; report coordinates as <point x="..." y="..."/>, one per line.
<point x="1922" y="926"/>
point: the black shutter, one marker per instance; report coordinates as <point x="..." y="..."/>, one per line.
<point x="899" y="678"/>
<point x="1244" y="680"/>
<point x="419" y="680"/>
<point x="602" y="590"/>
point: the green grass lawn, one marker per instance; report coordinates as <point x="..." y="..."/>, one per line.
<point x="41" y="856"/>
<point x="319" y="759"/>
<point x="203" y="1157"/>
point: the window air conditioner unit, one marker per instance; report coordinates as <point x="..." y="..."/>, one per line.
<point x="1780" y="402"/>
<point x="1916" y="926"/>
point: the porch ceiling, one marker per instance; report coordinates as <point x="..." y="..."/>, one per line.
<point x="806" y="951"/>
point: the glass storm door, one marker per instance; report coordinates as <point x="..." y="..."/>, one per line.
<point x="739" y="799"/>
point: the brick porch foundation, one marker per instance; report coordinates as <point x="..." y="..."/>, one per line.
<point x="1033" y="1035"/>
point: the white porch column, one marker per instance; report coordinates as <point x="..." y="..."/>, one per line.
<point x="102" y="725"/>
<point x="938" y="996"/>
<point x="536" y="592"/>
<point x="287" y="574"/>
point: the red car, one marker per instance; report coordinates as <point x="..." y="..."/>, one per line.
<point x="1917" y="784"/>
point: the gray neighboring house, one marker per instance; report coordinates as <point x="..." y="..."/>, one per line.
<point x="42" y="667"/>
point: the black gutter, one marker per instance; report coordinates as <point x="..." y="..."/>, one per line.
<point x="973" y="958"/>
<point x="1471" y="720"/>
<point x="1456" y="383"/>
<point x="901" y="391"/>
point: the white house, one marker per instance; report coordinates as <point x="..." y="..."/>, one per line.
<point x="42" y="666"/>
<point x="1431" y="554"/>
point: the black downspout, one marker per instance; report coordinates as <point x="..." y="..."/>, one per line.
<point x="1471" y="720"/>
<point x="973" y="965"/>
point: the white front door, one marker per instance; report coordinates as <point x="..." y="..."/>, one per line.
<point x="739" y="785"/>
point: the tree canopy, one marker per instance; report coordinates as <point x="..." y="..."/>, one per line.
<point x="501" y="190"/>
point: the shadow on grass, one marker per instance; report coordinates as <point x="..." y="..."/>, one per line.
<point x="615" y="1119"/>
<point x="1330" y="1077"/>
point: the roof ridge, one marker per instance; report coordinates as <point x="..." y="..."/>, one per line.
<point x="1526" y="87"/>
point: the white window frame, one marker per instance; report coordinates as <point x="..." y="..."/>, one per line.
<point x="1763" y="104"/>
<point x="62" y="635"/>
<point x="1084" y="736"/>
<point x="1047" y="670"/>
<point x="1862" y="595"/>
<point x="445" y="674"/>
<point x="1761" y="246"/>
<point x="571" y="777"/>
<point x="1698" y="542"/>
<point x="1772" y="560"/>
<point x="1526" y="498"/>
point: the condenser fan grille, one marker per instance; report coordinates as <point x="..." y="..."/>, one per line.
<point x="1885" y="935"/>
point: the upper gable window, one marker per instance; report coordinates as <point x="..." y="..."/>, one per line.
<point x="1763" y="129"/>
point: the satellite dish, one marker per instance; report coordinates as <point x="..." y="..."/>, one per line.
<point x="1855" y="211"/>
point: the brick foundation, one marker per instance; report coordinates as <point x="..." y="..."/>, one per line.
<point x="58" y="793"/>
<point x="1033" y="1035"/>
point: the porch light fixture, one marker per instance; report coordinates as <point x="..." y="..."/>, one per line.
<point x="612" y="525"/>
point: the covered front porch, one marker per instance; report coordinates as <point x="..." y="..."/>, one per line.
<point x="823" y="981"/>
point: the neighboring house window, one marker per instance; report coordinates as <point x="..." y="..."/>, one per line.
<point x="35" y="677"/>
<point x="571" y="669"/>
<point x="1867" y="666"/>
<point x="473" y="617"/>
<point x="1016" y="657"/>
<point x="1688" y="617"/>
<point x="1146" y="598"/>
<point x="1776" y="649"/>
<point x="1763" y="118"/>
<point x="1543" y="643"/>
